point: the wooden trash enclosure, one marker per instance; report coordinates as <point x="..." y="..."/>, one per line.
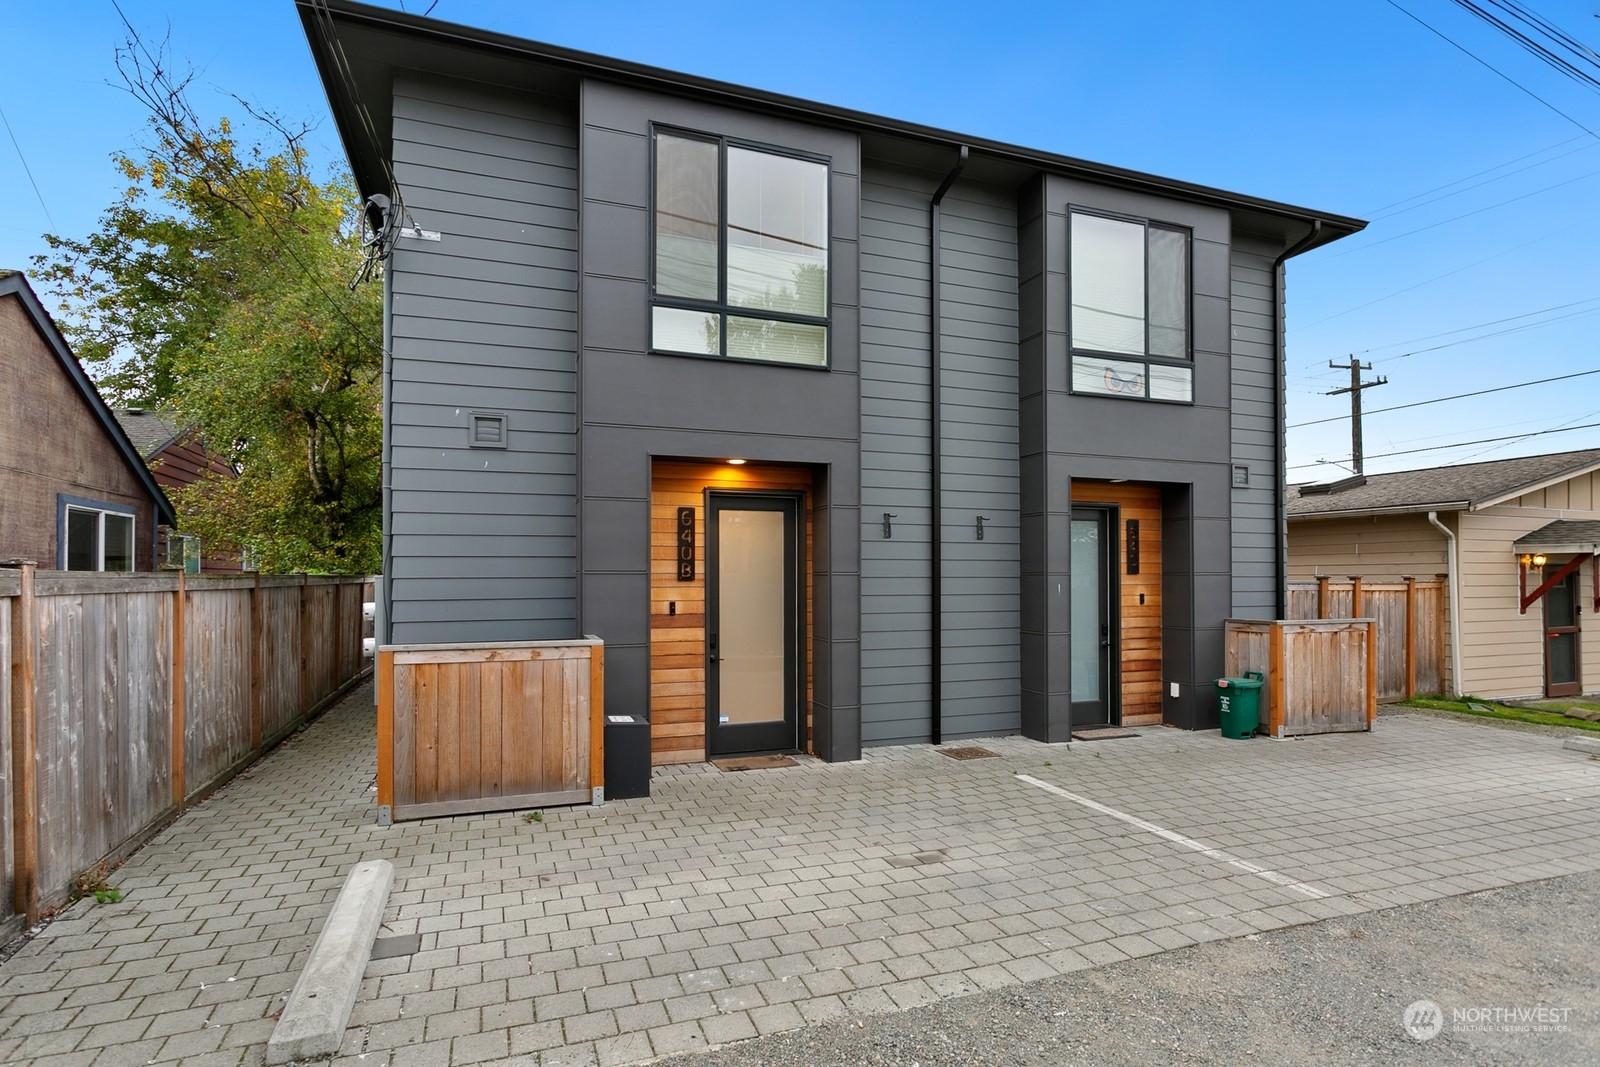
<point x="1322" y="674"/>
<point x="466" y="728"/>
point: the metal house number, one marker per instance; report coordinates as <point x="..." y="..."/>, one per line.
<point x="686" y="544"/>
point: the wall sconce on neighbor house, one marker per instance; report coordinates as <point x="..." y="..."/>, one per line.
<point x="1536" y="561"/>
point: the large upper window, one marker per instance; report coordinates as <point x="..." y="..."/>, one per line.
<point x="96" y="540"/>
<point x="1130" y="309"/>
<point x="741" y="252"/>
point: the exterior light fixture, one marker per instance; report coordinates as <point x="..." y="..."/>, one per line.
<point x="736" y="462"/>
<point x="1539" y="559"/>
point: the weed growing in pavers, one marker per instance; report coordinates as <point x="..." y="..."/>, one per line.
<point x="533" y="816"/>
<point x="92" y="883"/>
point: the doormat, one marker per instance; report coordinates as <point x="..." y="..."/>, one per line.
<point x="1104" y="733"/>
<point x="753" y="763"/>
<point x="967" y="753"/>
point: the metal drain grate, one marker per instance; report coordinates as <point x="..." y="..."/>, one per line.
<point x="969" y="753"/>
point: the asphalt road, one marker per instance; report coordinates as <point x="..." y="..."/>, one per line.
<point x="1514" y="972"/>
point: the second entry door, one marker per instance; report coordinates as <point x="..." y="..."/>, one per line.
<point x="1093" y="617"/>
<point x="754" y="639"/>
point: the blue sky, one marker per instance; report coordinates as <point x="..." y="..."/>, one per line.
<point x="1354" y="108"/>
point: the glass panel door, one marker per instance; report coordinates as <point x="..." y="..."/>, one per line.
<point x="1093" y="575"/>
<point x="752" y="644"/>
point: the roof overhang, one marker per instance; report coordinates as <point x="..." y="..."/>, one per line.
<point x="1360" y="513"/>
<point x="358" y="48"/>
<point x="1563" y="537"/>
<point x="1534" y="487"/>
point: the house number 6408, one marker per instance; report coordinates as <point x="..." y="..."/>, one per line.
<point x="686" y="544"/>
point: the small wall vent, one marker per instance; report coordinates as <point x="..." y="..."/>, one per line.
<point x="487" y="429"/>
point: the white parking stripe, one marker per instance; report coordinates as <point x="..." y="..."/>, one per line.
<point x="1178" y="839"/>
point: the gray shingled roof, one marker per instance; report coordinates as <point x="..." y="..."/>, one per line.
<point x="1447" y="488"/>
<point x="1562" y="532"/>
<point x="149" y="430"/>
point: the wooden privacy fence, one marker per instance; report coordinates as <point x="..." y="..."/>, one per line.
<point x="125" y="696"/>
<point x="472" y="728"/>
<point x="1321" y="673"/>
<point x="1410" y="615"/>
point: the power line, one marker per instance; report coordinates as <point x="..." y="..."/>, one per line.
<point x="1479" y="59"/>
<point x="1445" y="399"/>
<point x="28" y="170"/>
<point x="1458" y="444"/>
<point x="1389" y="210"/>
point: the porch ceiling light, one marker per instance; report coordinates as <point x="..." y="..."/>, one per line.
<point x="740" y="463"/>
<point x="1539" y="559"/>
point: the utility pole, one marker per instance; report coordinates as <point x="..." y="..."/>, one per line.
<point x="1355" y="367"/>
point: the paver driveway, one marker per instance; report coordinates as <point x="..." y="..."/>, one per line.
<point x="733" y="904"/>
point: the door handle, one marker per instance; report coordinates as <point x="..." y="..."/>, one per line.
<point x="1105" y="635"/>
<point x="711" y="649"/>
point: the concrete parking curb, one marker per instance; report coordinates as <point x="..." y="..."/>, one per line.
<point x="1591" y="745"/>
<point x="314" y="1019"/>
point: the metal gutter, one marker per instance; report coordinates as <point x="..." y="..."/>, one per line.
<point x="1281" y="400"/>
<point x="935" y="451"/>
<point x="661" y="80"/>
<point x="1398" y="509"/>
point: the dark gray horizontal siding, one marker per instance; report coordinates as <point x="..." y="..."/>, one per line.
<point x="1254" y="429"/>
<point x="981" y="647"/>
<point x="483" y="542"/>
<point x="896" y="583"/>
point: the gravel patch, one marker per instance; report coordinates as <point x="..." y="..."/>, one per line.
<point x="1329" y="992"/>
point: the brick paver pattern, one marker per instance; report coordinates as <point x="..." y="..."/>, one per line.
<point x="729" y="905"/>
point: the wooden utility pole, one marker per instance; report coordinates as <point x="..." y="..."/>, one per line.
<point x="1355" y="367"/>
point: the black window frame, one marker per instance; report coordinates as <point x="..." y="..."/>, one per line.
<point x="1147" y="357"/>
<point x="720" y="307"/>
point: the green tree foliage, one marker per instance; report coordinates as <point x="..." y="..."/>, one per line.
<point x="216" y="288"/>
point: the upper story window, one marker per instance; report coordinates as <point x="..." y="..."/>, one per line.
<point x="1130" y="309"/>
<point x="96" y="538"/>
<point x="741" y="252"/>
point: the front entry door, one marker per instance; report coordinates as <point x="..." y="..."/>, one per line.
<point x="1562" y="677"/>
<point x="1094" y="576"/>
<point x="754" y="631"/>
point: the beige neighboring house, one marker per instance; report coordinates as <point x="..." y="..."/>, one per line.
<point x="1488" y="527"/>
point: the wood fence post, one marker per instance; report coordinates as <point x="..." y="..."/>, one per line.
<point x="385" y="672"/>
<point x="337" y="637"/>
<point x="1324" y="603"/>
<point x="24" y="746"/>
<point x="1442" y="642"/>
<point x="179" y="711"/>
<point x="257" y="638"/>
<point x="597" y="717"/>
<point x="1355" y="596"/>
<point x="1276" y="682"/>
<point x="305" y="650"/>
<point x="1372" y="673"/>
<point x="1411" y="635"/>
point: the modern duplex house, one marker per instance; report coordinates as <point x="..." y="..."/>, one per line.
<point x="840" y="431"/>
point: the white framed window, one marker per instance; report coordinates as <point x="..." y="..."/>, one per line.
<point x="1130" y="300"/>
<point x="740" y="256"/>
<point x="96" y="536"/>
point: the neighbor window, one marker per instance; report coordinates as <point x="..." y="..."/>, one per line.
<point x="95" y="539"/>
<point x="1130" y="308"/>
<point x="741" y="252"/>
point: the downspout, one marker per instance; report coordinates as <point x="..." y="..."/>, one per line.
<point x="936" y="449"/>
<point x="1455" y="601"/>
<point x="1280" y="488"/>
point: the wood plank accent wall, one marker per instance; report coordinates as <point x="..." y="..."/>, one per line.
<point x="127" y="696"/>
<point x="473" y="728"/>
<point x="678" y="641"/>
<point x="1141" y="622"/>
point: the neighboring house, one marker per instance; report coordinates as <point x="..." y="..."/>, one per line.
<point x="840" y="431"/>
<point x="1488" y="526"/>
<point x="178" y="457"/>
<point x="74" y="493"/>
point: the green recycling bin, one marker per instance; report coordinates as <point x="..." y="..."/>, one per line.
<point x="1239" y="704"/>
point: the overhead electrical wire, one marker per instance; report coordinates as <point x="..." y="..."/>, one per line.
<point x="1445" y="399"/>
<point x="1398" y="208"/>
<point x="1458" y="444"/>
